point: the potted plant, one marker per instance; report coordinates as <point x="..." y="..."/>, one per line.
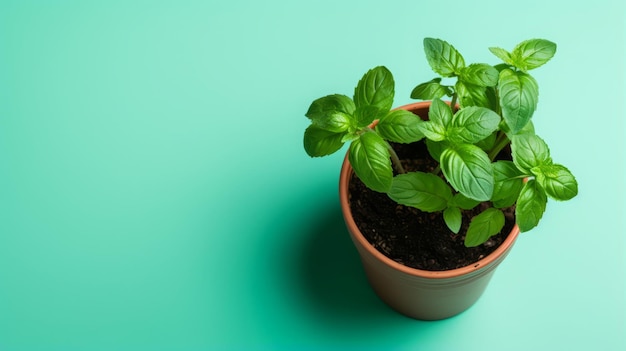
<point x="471" y="170"/>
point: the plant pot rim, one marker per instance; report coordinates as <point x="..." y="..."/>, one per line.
<point x="344" y="179"/>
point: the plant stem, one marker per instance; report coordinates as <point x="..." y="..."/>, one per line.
<point x="501" y="141"/>
<point x="498" y="107"/>
<point x="395" y="159"/>
<point x="453" y="103"/>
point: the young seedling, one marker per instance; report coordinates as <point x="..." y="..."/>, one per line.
<point x="495" y="108"/>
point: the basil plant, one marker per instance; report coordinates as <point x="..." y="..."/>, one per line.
<point x="489" y="108"/>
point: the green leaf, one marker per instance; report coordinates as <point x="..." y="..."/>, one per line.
<point x="488" y="223"/>
<point x="319" y="142"/>
<point x="365" y="115"/>
<point x="519" y="94"/>
<point x="330" y="104"/>
<point x="531" y="204"/>
<point x="435" y="148"/>
<point x="439" y="117"/>
<point x="489" y="142"/>
<point x="529" y="151"/>
<point x="453" y="219"/>
<point x="349" y="137"/>
<point x="473" y="95"/>
<point x="502" y="54"/>
<point x="432" y="131"/>
<point x="430" y="90"/>
<point x="369" y="157"/>
<point x="528" y="129"/>
<point x="442" y="57"/>
<point x="532" y="53"/>
<point x="440" y="113"/>
<point x="502" y="66"/>
<point x="558" y="182"/>
<point x="480" y="74"/>
<point x="473" y="124"/>
<point x="463" y="202"/>
<point x="424" y="191"/>
<point x="469" y="171"/>
<point x="335" y="122"/>
<point x="332" y="113"/>
<point x="376" y="88"/>
<point x="504" y="203"/>
<point x="508" y="184"/>
<point x="492" y="98"/>
<point x="400" y="126"/>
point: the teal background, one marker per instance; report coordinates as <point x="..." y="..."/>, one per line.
<point x="155" y="195"/>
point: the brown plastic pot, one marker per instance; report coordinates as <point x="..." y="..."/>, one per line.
<point x="420" y="294"/>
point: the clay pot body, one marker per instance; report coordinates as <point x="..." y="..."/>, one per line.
<point x="420" y="294"/>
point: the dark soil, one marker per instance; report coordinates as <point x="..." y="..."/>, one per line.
<point x="411" y="237"/>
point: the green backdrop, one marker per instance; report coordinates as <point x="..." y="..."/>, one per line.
<point x="155" y="195"/>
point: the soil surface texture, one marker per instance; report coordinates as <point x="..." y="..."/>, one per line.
<point x="411" y="237"/>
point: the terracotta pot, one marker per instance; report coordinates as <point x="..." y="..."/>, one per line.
<point x="421" y="294"/>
